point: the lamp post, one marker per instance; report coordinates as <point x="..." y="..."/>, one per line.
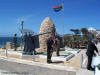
<point x="22" y="23"/>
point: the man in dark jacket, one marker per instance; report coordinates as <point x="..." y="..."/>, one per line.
<point x="49" y="49"/>
<point x="90" y="52"/>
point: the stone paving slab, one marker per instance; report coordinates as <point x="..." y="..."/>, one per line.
<point x="85" y="72"/>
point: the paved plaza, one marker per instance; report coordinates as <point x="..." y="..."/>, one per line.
<point x="13" y="68"/>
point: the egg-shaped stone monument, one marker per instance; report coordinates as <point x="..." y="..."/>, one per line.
<point x="46" y="26"/>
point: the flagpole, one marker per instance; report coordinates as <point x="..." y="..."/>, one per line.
<point x="57" y="9"/>
<point x="63" y="22"/>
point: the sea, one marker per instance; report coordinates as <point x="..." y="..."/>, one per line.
<point x="8" y="39"/>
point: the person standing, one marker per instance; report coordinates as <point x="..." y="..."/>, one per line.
<point x="57" y="46"/>
<point x="90" y="53"/>
<point x="15" y="41"/>
<point x="98" y="44"/>
<point x="50" y="43"/>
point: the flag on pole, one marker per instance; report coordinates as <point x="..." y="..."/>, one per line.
<point x="57" y="8"/>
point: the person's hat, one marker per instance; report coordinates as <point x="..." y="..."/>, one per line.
<point x="91" y="39"/>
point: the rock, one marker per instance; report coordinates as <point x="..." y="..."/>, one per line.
<point x="46" y="26"/>
<point x="8" y="46"/>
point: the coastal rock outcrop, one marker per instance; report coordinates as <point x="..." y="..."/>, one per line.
<point x="46" y="26"/>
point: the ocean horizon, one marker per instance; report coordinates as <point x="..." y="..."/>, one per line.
<point x="8" y="39"/>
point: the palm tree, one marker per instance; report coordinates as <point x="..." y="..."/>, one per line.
<point x="76" y="31"/>
<point x="84" y="31"/>
<point x="85" y="37"/>
<point x="76" y="37"/>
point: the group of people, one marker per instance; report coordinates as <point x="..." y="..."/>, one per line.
<point x="92" y="50"/>
<point x="52" y="44"/>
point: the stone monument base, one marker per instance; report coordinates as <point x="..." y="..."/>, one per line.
<point x="19" y="54"/>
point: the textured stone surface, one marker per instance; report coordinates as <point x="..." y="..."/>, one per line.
<point x="46" y="26"/>
<point x="8" y="45"/>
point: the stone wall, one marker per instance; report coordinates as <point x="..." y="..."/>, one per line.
<point x="46" y="26"/>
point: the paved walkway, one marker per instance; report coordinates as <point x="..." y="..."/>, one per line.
<point x="4" y="72"/>
<point x="26" y="68"/>
<point x="85" y="72"/>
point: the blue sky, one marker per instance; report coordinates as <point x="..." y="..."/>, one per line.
<point x="77" y="14"/>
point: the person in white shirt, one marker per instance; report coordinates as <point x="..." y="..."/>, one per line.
<point x="98" y="45"/>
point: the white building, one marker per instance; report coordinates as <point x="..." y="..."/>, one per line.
<point x="96" y="32"/>
<point x="91" y="29"/>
